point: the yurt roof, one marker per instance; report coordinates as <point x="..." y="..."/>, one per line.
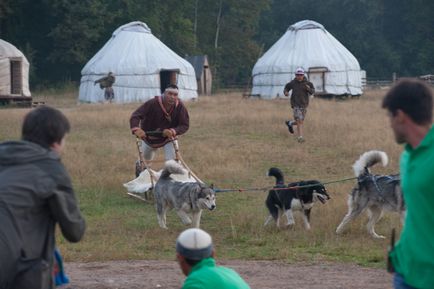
<point x="8" y="50"/>
<point x="133" y="49"/>
<point x="306" y="44"/>
<point x="306" y="24"/>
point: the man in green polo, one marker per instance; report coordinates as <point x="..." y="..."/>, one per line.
<point x="410" y="108"/>
<point x="195" y="254"/>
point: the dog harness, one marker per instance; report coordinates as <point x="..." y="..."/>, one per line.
<point x="394" y="179"/>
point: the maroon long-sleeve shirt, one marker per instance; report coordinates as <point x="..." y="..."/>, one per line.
<point x="151" y="117"/>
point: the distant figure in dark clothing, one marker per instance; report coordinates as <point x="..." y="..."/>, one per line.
<point x="166" y="114"/>
<point x="302" y="89"/>
<point x="106" y="83"/>
<point x="35" y="195"/>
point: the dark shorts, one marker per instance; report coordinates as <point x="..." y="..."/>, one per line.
<point x="299" y="112"/>
<point x="109" y="94"/>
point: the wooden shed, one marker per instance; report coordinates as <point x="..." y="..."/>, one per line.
<point x="203" y="73"/>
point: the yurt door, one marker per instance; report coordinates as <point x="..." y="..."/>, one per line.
<point x="16" y="76"/>
<point x="316" y="75"/>
<point x="168" y="77"/>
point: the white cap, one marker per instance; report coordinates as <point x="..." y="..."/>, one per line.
<point x="299" y="71"/>
<point x="194" y="244"/>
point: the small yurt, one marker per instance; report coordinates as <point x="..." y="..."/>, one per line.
<point x="14" y="74"/>
<point x="331" y="68"/>
<point x="142" y="65"/>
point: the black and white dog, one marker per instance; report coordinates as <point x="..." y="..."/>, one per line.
<point x="187" y="198"/>
<point x="283" y="199"/>
<point x="373" y="193"/>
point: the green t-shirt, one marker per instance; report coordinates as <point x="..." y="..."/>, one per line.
<point x="413" y="256"/>
<point x="206" y="275"/>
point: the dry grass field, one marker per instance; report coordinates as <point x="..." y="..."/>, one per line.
<point x="231" y="143"/>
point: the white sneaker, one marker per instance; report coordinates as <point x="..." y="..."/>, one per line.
<point x="300" y="139"/>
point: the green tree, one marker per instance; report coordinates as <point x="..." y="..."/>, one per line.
<point x="77" y="27"/>
<point x="236" y="50"/>
<point x="60" y="36"/>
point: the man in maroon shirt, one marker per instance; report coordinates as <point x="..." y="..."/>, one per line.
<point x="166" y="114"/>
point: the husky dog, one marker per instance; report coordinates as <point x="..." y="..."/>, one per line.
<point x="373" y="193"/>
<point x="185" y="197"/>
<point x="283" y="199"/>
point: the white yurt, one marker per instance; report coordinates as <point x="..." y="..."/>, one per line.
<point x="328" y="64"/>
<point x="142" y="65"/>
<point x="14" y="72"/>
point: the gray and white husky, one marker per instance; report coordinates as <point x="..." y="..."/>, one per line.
<point x="187" y="198"/>
<point x="373" y="193"/>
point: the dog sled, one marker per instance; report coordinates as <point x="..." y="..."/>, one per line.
<point x="141" y="187"/>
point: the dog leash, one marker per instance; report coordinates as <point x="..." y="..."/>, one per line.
<point x="181" y="160"/>
<point x="278" y="189"/>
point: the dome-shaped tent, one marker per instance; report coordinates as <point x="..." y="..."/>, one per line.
<point x="142" y="65"/>
<point x="328" y="64"/>
<point x="14" y="73"/>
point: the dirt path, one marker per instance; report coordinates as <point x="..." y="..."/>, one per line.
<point x="259" y="274"/>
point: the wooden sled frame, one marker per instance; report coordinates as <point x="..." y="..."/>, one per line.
<point x="148" y="195"/>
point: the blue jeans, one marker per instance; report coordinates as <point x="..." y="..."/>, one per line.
<point x="399" y="282"/>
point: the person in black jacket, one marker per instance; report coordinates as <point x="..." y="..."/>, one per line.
<point x="35" y="195"/>
<point x="302" y="89"/>
<point x="106" y="83"/>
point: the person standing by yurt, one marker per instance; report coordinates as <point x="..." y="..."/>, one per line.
<point x="106" y="83"/>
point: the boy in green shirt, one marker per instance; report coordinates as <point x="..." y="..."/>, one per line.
<point x="195" y="254"/>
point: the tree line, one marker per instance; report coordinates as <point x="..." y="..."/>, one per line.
<point x="58" y="37"/>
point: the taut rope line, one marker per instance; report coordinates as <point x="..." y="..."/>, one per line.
<point x="278" y="189"/>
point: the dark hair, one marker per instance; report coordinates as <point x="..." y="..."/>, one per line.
<point x="191" y="262"/>
<point x="413" y="97"/>
<point x="172" y="86"/>
<point x="45" y="126"/>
